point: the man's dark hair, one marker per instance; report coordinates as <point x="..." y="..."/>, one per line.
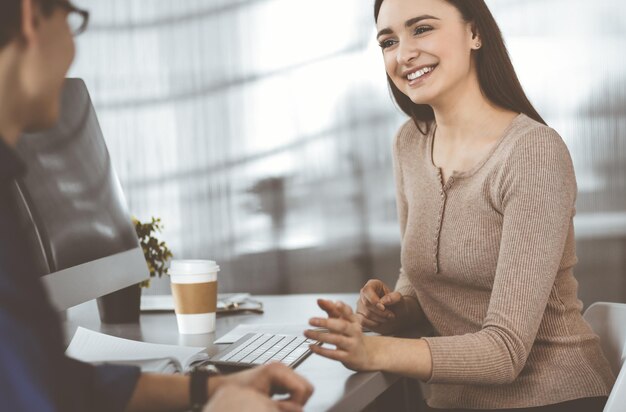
<point x="11" y="17"/>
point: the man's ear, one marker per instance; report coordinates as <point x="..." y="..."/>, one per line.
<point x="29" y="22"/>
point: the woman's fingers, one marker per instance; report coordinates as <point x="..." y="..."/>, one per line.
<point x="329" y="307"/>
<point x="345" y="310"/>
<point x="343" y="320"/>
<point x="339" y="341"/>
<point x="383" y="314"/>
<point x="335" y="354"/>
<point x="372" y="315"/>
<point x="336" y="309"/>
<point x="371" y="295"/>
<point x="391" y="299"/>
<point x="367" y="323"/>
<point x="349" y="324"/>
<point x="372" y="292"/>
<point x="336" y="325"/>
<point x="364" y="303"/>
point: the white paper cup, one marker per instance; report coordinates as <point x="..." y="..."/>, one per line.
<point x="194" y="287"/>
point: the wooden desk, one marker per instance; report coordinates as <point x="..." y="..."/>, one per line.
<point x="336" y="387"/>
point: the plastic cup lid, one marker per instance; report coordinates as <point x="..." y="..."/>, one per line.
<point x="192" y="267"/>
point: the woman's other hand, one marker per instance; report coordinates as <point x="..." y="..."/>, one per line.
<point x="379" y="309"/>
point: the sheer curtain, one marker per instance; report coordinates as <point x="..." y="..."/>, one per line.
<point x="260" y="130"/>
<point x="569" y="56"/>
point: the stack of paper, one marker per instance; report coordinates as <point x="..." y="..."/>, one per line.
<point x="95" y="347"/>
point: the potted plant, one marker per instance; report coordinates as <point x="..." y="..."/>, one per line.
<point x="123" y="305"/>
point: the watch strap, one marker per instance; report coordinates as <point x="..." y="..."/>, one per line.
<point x="199" y="389"/>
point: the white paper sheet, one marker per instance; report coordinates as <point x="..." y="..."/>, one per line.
<point x="294" y="329"/>
<point x="95" y="347"/>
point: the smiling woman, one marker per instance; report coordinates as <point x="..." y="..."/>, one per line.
<point x="486" y="197"/>
<point x="477" y="27"/>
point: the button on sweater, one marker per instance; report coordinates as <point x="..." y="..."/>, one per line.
<point x="489" y="255"/>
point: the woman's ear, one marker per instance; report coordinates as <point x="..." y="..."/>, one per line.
<point x="476" y="41"/>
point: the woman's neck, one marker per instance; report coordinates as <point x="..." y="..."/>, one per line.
<point x="467" y="114"/>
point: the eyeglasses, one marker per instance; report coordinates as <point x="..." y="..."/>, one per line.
<point x="77" y="18"/>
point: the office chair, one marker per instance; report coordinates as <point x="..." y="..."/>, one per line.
<point x="608" y="320"/>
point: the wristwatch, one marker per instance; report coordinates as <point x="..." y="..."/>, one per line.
<point x="198" y="386"/>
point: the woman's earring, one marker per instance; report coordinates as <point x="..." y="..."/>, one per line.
<point x="478" y="45"/>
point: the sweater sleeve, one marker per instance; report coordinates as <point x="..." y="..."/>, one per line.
<point x="537" y="191"/>
<point x="402" y="284"/>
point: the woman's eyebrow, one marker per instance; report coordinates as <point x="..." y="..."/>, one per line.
<point x="407" y="23"/>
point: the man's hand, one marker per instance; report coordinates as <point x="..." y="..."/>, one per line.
<point x="229" y="398"/>
<point x="268" y="380"/>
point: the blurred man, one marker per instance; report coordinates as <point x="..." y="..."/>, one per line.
<point x="36" y="51"/>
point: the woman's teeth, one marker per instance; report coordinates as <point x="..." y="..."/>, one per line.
<point x="420" y="73"/>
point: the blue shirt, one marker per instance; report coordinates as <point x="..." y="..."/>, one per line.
<point x="35" y="374"/>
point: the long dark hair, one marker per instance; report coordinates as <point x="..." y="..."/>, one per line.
<point x="496" y="74"/>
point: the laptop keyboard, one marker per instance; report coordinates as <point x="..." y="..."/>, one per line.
<point x="259" y="348"/>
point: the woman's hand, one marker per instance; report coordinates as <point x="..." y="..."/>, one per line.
<point x="380" y="309"/>
<point x="355" y="350"/>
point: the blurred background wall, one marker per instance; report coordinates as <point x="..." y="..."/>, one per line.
<point x="260" y="130"/>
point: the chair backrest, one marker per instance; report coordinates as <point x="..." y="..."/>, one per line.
<point x="608" y="320"/>
<point x="73" y="209"/>
<point x="71" y="188"/>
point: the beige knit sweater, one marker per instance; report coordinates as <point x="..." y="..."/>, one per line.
<point x="489" y="257"/>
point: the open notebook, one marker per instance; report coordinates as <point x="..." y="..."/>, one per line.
<point x="95" y="347"/>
